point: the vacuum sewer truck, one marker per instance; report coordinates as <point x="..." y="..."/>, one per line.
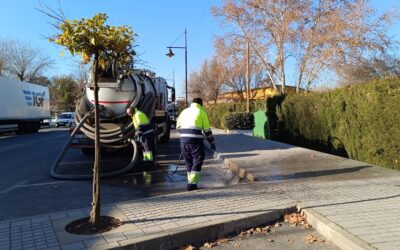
<point x="119" y="90"/>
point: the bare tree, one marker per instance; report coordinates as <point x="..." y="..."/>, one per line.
<point x="3" y="56"/>
<point x="207" y="82"/>
<point x="318" y="34"/>
<point x="231" y="54"/>
<point x="82" y="73"/>
<point x="63" y="92"/>
<point x="25" y="62"/>
<point x="41" y="80"/>
<point x="367" y="70"/>
<point x="196" y="86"/>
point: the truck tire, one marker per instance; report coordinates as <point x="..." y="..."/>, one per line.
<point x="166" y="136"/>
<point x="34" y="126"/>
<point x="22" y="128"/>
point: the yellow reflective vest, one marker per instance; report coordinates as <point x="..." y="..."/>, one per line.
<point x="140" y="121"/>
<point x="193" y="125"/>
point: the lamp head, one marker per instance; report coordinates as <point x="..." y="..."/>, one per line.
<point x="170" y="53"/>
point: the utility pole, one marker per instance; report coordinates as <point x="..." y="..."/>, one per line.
<point x="248" y="78"/>
<point x="173" y="79"/>
<point x="186" y="77"/>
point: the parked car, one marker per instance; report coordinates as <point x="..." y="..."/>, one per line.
<point x="65" y="119"/>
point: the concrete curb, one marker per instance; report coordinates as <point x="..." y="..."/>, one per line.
<point x="201" y="232"/>
<point x="236" y="169"/>
<point x="333" y="232"/>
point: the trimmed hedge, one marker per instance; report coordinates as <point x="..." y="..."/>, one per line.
<point x="217" y="113"/>
<point x="239" y="120"/>
<point x="359" y="121"/>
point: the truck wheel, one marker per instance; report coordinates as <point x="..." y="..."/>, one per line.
<point x="166" y="136"/>
<point x="22" y="128"/>
<point x="34" y="126"/>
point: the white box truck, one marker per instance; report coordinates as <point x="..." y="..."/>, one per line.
<point x="23" y="106"/>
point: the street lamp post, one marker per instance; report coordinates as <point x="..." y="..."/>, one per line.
<point x="171" y="54"/>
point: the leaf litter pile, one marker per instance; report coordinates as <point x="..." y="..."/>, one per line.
<point x="300" y="220"/>
<point x="294" y="219"/>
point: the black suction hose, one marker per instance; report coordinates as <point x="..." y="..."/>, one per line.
<point x="53" y="170"/>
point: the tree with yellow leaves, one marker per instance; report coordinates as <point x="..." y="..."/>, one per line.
<point x="101" y="45"/>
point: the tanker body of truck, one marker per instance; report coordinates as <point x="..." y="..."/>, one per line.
<point x="118" y="91"/>
<point x="23" y="106"/>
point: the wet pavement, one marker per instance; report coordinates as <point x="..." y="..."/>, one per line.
<point x="266" y="160"/>
<point x="26" y="181"/>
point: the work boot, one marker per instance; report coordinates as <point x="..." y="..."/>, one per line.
<point x="191" y="187"/>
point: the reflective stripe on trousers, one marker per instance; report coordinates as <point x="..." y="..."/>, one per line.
<point x="147" y="156"/>
<point x="194" y="177"/>
<point x="193" y="155"/>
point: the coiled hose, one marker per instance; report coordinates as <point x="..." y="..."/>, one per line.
<point x="53" y="170"/>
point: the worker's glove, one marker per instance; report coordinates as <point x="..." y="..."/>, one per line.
<point x="213" y="146"/>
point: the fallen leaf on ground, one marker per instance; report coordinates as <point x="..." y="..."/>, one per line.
<point x="210" y="244"/>
<point x="237" y="245"/>
<point x="311" y="238"/>
<point x="189" y="247"/>
<point x="223" y="240"/>
<point x="296" y="219"/>
<point x="267" y="229"/>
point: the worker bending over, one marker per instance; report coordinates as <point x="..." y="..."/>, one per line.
<point x="194" y="126"/>
<point x="144" y="132"/>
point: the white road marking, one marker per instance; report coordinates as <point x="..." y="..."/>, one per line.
<point x="4" y="191"/>
<point x="91" y="162"/>
<point x="41" y="184"/>
<point x="23" y="185"/>
<point x="76" y="162"/>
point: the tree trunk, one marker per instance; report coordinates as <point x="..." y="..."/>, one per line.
<point x="95" y="213"/>
<point x="248" y="78"/>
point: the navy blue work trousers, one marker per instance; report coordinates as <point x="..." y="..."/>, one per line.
<point x="194" y="155"/>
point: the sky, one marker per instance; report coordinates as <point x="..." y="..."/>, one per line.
<point x="158" y="24"/>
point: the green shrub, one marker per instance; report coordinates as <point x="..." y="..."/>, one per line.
<point x="216" y="113"/>
<point x="239" y="120"/>
<point x="359" y="121"/>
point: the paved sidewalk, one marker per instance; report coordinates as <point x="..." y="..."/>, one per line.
<point x="168" y="221"/>
<point x="361" y="198"/>
<point x="352" y="203"/>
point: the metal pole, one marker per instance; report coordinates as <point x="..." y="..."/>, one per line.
<point x="186" y="69"/>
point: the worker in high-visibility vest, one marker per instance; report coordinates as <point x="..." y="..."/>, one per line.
<point x="194" y="127"/>
<point x="144" y="132"/>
